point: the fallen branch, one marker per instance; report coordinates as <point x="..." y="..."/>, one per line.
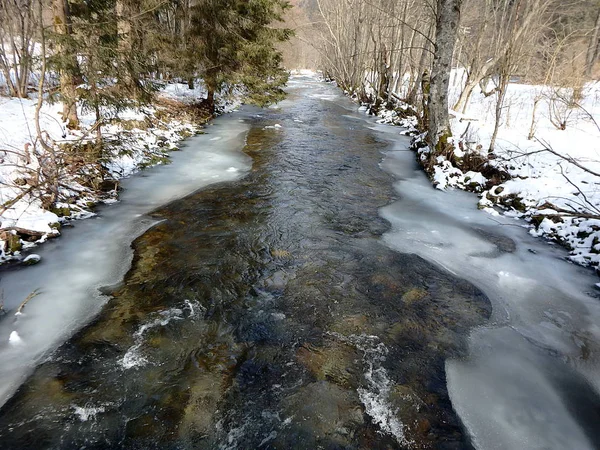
<point x="25" y="231"/>
<point x="29" y="297"/>
<point x="569" y="159"/>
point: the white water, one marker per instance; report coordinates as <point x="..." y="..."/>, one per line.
<point x="96" y="252"/>
<point x="532" y="377"/>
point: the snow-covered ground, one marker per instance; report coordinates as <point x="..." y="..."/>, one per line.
<point x="559" y="199"/>
<point x="135" y="138"/>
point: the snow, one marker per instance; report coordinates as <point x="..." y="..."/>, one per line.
<point x="542" y="185"/>
<point x="32" y="259"/>
<point x="14" y="338"/>
<point x="128" y="148"/>
<point x="182" y="92"/>
<point x="539" y="179"/>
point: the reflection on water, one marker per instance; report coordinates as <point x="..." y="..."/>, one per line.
<point x="265" y="313"/>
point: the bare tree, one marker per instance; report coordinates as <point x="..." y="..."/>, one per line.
<point x="17" y="32"/>
<point x="447" y="23"/>
<point x="593" y="45"/>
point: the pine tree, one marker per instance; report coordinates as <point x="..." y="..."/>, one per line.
<point x="234" y="45"/>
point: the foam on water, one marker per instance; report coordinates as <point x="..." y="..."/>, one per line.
<point x="96" y="252"/>
<point x="375" y="395"/>
<point x="85" y="413"/>
<point x="518" y="387"/>
<point x="134" y="357"/>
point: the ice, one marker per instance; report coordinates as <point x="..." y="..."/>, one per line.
<point x="516" y="388"/>
<point x="96" y="252"/>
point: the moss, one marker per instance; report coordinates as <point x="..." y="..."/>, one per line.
<point x="583" y="234"/>
<point x="13" y="243"/>
<point x="518" y="204"/>
<point x="61" y="212"/>
<point x="595" y="242"/>
<point x="155" y="160"/>
<point x="31" y="261"/>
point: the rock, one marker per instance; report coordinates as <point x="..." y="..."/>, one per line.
<point x="414" y="295"/>
<point x="503" y="243"/>
<point x="62" y="211"/>
<point x="333" y="363"/>
<point x="32" y="260"/>
<point x="326" y="415"/>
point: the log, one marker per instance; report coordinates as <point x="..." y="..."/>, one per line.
<point x="23" y="231"/>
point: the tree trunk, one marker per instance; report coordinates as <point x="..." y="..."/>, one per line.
<point x="411" y="98"/>
<point x="125" y="44"/>
<point x="210" y="99"/>
<point x="501" y="93"/>
<point x="465" y="95"/>
<point x="62" y="26"/>
<point x="592" y="51"/>
<point x="447" y="22"/>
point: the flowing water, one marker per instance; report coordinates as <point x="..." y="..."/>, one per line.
<point x="327" y="297"/>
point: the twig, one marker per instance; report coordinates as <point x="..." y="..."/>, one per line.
<point x="590" y="204"/>
<point x="29" y="297"/>
<point x="505" y="224"/>
<point x="569" y="159"/>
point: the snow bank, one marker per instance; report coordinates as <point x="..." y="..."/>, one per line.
<point x="133" y="139"/>
<point x="559" y="199"/>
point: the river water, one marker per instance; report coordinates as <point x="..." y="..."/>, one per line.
<point x="307" y="289"/>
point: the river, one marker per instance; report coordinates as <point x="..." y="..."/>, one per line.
<point x="292" y="280"/>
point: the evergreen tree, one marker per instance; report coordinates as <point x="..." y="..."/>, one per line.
<point x="234" y="45"/>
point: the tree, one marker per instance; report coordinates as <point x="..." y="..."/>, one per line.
<point x="232" y="42"/>
<point x="66" y="60"/>
<point x="446" y="32"/>
<point x="17" y="32"/>
<point x="594" y="45"/>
